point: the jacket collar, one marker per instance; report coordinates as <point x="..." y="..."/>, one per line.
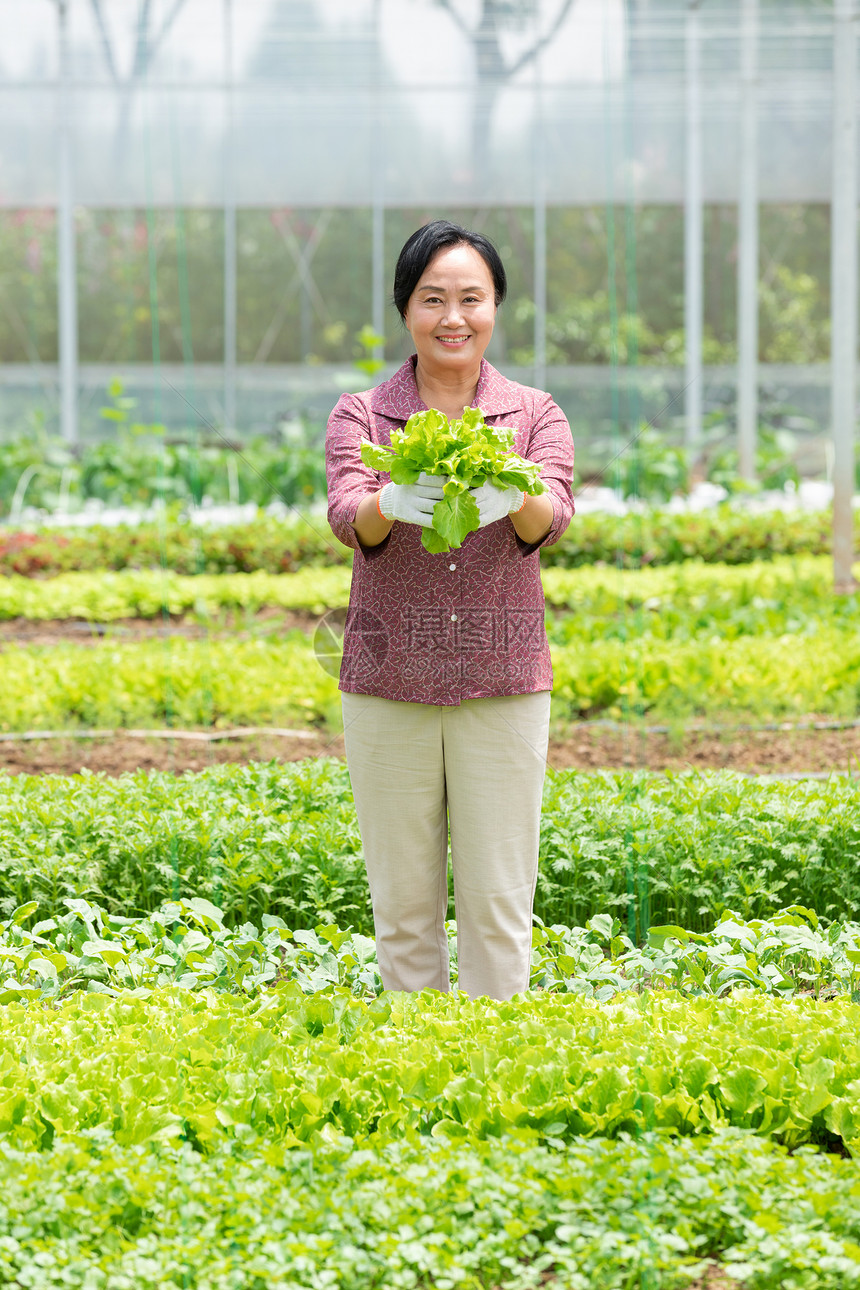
<point x="398" y="397"/>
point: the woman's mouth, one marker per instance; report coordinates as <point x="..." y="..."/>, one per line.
<point x="453" y="341"/>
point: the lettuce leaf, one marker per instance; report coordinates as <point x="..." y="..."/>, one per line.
<point x="434" y="542"/>
<point x="376" y="455"/>
<point x="467" y="452"/>
<point x="455" y="516"/>
<point x="404" y="471"/>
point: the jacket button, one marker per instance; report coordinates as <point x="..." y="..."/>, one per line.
<point x="453" y="618"/>
<point x="452" y="566"/>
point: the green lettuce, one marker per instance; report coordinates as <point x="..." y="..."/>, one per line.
<point x="467" y="452"/>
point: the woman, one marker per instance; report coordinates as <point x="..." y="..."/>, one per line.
<point x="446" y="675"/>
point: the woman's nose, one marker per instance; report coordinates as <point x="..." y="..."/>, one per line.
<point x="453" y="315"/>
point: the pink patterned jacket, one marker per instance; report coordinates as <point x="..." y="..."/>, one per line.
<point x="439" y="629"/>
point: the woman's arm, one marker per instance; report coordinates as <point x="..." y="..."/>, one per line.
<point x="544" y="518"/>
<point x="534" y="519"/>
<point x="370" y="526"/>
<point x="352" y="486"/>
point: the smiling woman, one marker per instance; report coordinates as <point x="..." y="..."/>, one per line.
<point x="449" y="308"/>
<point x="446" y="676"/>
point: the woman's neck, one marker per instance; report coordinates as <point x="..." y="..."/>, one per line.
<point x="449" y="395"/>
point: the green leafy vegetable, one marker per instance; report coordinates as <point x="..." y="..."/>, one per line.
<point x="282" y="838"/>
<point x="429" y="1211"/>
<point x="642" y="538"/>
<point x="224" y="682"/>
<point x="467" y="452"/>
<point x="186" y="942"/>
<point x="156" y="1064"/>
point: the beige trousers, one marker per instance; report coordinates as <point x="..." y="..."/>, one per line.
<point x="412" y="765"/>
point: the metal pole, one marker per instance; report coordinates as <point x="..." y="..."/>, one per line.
<point x="843" y="268"/>
<point x="693" y="234"/>
<point x="540" y="290"/>
<point x="748" y="245"/>
<point x="377" y="179"/>
<point x="539" y="239"/>
<point x="377" y="250"/>
<point x="378" y="264"/>
<point x="66" y="260"/>
<point x="230" y="290"/>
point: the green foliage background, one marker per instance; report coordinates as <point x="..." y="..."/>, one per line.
<point x="275" y="546"/>
<point x="283" y="839"/>
<point x="281" y="323"/>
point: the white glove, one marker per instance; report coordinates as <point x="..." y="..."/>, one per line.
<point x="412" y="503"/>
<point x="495" y="503"/>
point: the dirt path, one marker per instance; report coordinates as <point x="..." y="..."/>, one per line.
<point x="589" y="747"/>
<point x="769" y="752"/>
<point x="77" y="631"/>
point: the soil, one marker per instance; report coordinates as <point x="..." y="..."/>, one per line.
<point x="56" y="631"/>
<point x="786" y="751"/>
<point x="113" y="755"/>
<point x="761" y="752"/>
<point x="591" y="746"/>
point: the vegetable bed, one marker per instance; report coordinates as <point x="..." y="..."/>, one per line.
<point x="188" y="943"/>
<point x="650" y="538"/>
<point x="765" y="597"/>
<point x="291" y="1067"/>
<point x="187" y="1103"/>
<point x="273" y="838"/>
<point x="168" y="1138"/>
<point x="229" y="682"/>
<point x="421" y="1211"/>
<point x="753" y="642"/>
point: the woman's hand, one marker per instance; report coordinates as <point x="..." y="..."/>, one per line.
<point x="412" y="503"/>
<point x="495" y="503"/>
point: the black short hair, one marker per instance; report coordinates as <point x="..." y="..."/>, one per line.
<point x="425" y="242"/>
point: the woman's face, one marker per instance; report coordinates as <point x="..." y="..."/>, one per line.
<point x="452" y="311"/>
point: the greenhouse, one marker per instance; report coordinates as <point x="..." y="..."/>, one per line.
<point x="429" y="725"/>
<point x="208" y="201"/>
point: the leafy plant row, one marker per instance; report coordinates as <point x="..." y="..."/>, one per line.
<point x="750" y="677"/>
<point x="273" y="545"/>
<point x="282" y="839"/>
<point x="644" y="1211"/>
<point x="681" y="602"/>
<point x="187" y="943"/>
<point x="264" y="681"/>
<point x="141" y="465"/>
<point x="217" y="682"/>
<point x="789" y="594"/>
<point x="299" y="1069"/>
<point x="653" y="537"/>
<point x="106" y="596"/>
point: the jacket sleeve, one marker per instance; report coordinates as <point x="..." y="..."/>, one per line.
<point x="551" y="445"/>
<point x="349" y="481"/>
